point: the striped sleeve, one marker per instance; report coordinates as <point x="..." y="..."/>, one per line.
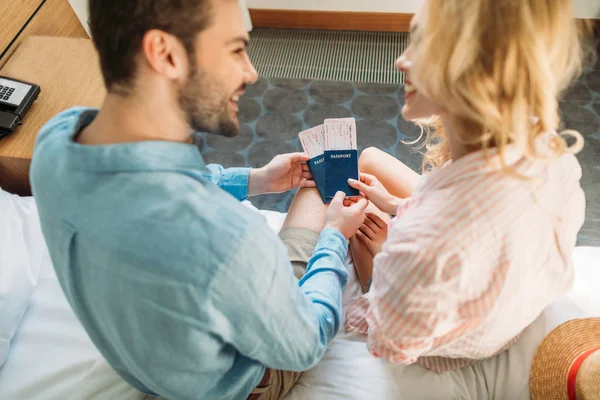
<point x="355" y="319"/>
<point x="413" y="302"/>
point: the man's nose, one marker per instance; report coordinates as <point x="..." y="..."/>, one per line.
<point x="251" y="74"/>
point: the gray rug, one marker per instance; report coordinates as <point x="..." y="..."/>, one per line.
<point x="273" y="111"/>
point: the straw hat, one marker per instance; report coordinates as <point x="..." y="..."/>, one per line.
<point x="567" y="363"/>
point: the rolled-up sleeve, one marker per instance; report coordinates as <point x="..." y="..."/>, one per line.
<point x="232" y="180"/>
<point x="412" y="305"/>
<point x="274" y="319"/>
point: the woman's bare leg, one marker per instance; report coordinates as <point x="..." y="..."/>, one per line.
<point x="400" y="181"/>
<point x="363" y="262"/>
<point x="395" y="176"/>
<point x="362" y="256"/>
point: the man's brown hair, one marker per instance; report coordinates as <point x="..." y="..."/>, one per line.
<point x="118" y="27"/>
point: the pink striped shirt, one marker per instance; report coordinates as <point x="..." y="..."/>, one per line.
<point x="471" y="260"/>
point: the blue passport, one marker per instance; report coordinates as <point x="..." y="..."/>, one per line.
<point x="340" y="165"/>
<point x="317" y="169"/>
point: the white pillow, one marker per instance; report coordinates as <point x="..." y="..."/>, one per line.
<point x="20" y="259"/>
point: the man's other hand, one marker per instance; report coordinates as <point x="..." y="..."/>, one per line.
<point x="285" y="172"/>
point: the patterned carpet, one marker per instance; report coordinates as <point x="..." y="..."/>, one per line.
<point x="273" y="111"/>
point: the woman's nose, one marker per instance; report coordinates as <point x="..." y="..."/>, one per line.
<point x="403" y="64"/>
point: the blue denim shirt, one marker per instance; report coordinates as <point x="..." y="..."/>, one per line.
<point x="185" y="292"/>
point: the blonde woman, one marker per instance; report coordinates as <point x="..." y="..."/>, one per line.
<point x="481" y="244"/>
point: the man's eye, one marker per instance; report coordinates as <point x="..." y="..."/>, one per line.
<point x="240" y="51"/>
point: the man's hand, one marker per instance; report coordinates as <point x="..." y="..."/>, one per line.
<point x="345" y="218"/>
<point x="373" y="232"/>
<point x="285" y="172"/>
<point x="373" y="190"/>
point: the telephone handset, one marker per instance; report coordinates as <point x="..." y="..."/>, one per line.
<point x="15" y="99"/>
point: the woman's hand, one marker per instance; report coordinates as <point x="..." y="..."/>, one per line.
<point x="373" y="233"/>
<point x="373" y="190"/>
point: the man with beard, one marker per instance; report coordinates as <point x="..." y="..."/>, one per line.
<point x="186" y="292"/>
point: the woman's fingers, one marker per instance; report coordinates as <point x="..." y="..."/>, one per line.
<point x="348" y="201"/>
<point x="367" y="178"/>
<point x="307" y="183"/>
<point x="359" y="186"/>
<point x="372" y="225"/>
<point x="367" y="231"/>
<point x="363" y="238"/>
<point x="367" y="242"/>
<point x="377" y="220"/>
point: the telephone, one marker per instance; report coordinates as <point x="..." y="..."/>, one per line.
<point x="15" y="99"/>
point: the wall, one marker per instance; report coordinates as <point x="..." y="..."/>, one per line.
<point x="82" y="11"/>
<point x="586" y="8"/>
<point x="581" y="8"/>
<point x="396" y="6"/>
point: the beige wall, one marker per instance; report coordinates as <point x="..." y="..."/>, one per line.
<point x="581" y="8"/>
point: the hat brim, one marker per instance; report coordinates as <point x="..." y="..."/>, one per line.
<point x="555" y="355"/>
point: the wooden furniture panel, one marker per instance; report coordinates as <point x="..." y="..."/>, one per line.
<point x="14" y="15"/>
<point x="68" y="72"/>
<point x="55" y="18"/>
<point x="14" y="176"/>
<point x="333" y="20"/>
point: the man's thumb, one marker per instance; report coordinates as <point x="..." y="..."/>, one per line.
<point x="339" y="197"/>
<point x="361" y="204"/>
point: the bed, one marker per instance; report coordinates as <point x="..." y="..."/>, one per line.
<point x="49" y="355"/>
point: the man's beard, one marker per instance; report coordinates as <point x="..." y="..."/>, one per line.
<point x="205" y="106"/>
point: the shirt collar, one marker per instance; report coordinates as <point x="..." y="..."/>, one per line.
<point x="148" y="155"/>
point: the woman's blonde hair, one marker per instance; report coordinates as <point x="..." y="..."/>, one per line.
<point x="500" y="67"/>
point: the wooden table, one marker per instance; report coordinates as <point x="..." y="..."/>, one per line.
<point x="67" y="71"/>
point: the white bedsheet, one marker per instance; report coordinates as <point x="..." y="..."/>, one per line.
<point x="19" y="267"/>
<point x="51" y="356"/>
<point x="348" y="371"/>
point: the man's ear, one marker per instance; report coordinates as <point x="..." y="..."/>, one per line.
<point x="165" y="54"/>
